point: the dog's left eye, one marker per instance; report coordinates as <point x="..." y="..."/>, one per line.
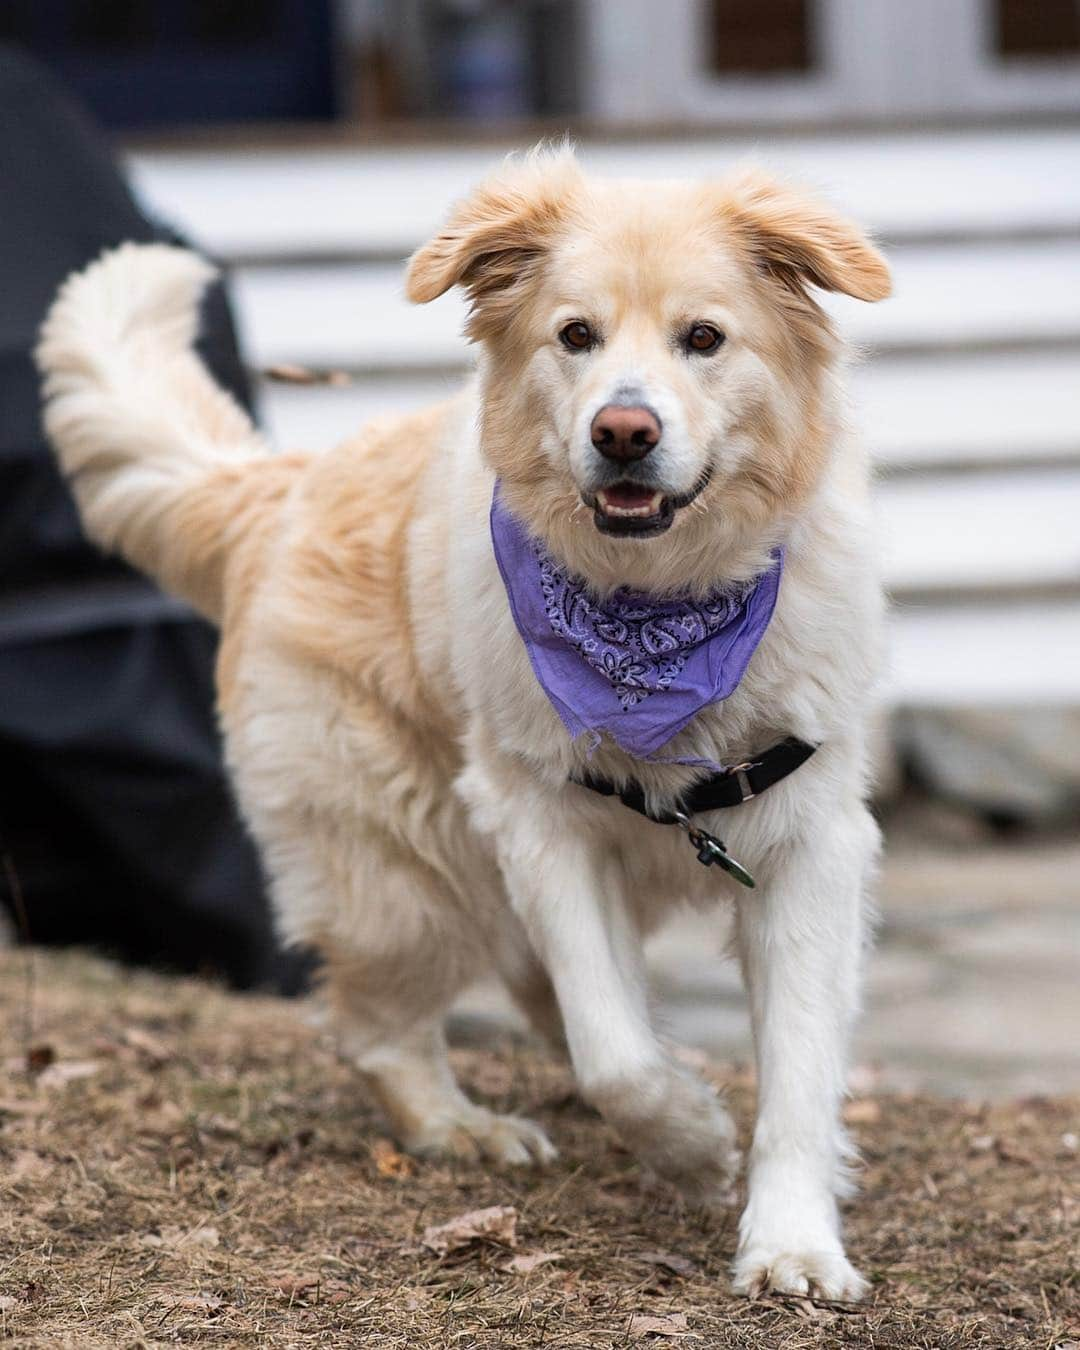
<point x="703" y="338"/>
<point x="578" y="336"/>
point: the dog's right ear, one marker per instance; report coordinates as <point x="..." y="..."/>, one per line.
<point x="495" y="238"/>
<point x="802" y="240"/>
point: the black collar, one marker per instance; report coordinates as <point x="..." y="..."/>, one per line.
<point x="730" y="787"/>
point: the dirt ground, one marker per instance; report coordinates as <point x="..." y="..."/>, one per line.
<point x="182" y="1166"/>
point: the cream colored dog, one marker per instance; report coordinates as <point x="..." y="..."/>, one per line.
<point x="407" y="779"/>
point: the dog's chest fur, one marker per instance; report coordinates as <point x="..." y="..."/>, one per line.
<point x="810" y="677"/>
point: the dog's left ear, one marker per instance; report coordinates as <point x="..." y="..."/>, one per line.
<point x="495" y="238"/>
<point x="802" y="240"/>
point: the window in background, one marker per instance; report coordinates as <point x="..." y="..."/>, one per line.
<point x="759" y="37"/>
<point x="481" y="60"/>
<point x="1028" y="28"/>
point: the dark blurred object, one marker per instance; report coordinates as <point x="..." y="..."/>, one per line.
<point x="114" y="806"/>
<point x="145" y="63"/>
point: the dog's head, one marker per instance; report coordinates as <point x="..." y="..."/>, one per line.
<point x="649" y="346"/>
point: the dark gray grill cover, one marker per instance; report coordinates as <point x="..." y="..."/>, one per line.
<point x="114" y="807"/>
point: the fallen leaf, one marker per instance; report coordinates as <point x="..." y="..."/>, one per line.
<point x="66" y="1071"/>
<point x="39" y="1057"/>
<point x="290" y="374"/>
<point x="27" y="1165"/>
<point x="221" y="1126"/>
<point x="810" y="1311"/>
<point x="526" y="1261"/>
<point x="200" y="1303"/>
<point x="158" y="1117"/>
<point x="6" y="1303"/>
<point x="678" y="1265"/>
<point x="1007" y="1151"/>
<point x="14" y="1106"/>
<point x="642" y="1325"/>
<point x="154" y="1051"/>
<point x="294" y="1286"/>
<point x="497" y="1223"/>
<point x="862" y="1111"/>
<point x="389" y="1162"/>
<point x="174" y="1238"/>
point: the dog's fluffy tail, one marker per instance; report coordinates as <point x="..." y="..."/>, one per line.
<point x="161" y="460"/>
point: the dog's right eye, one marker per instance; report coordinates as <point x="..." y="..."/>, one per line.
<point x="577" y="336"/>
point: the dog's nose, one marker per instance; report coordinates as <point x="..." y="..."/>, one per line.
<point x="625" y="433"/>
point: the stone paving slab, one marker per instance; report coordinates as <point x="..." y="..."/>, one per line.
<point x="973" y="988"/>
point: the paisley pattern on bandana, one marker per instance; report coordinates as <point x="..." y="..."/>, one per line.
<point x="636" y="668"/>
<point x="640" y="646"/>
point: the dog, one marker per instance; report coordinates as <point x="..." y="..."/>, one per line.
<point x="653" y="444"/>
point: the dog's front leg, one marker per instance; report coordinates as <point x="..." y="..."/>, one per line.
<point x="800" y="942"/>
<point x="567" y="888"/>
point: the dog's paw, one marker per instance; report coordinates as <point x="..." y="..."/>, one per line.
<point x="821" y="1274"/>
<point x="510" y="1141"/>
<point x="678" y="1127"/>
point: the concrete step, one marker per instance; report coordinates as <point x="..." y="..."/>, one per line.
<point x="354" y="201"/>
<point x="355" y="316"/>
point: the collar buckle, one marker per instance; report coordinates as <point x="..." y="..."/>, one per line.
<point x="740" y="773"/>
<point x="746" y="791"/>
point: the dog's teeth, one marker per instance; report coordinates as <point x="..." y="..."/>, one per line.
<point x="648" y="508"/>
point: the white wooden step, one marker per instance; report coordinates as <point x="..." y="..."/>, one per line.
<point x="943" y="535"/>
<point x="916" y="413"/>
<point x="1010" y="529"/>
<point x="1002" y="655"/>
<point x="354" y="201"/>
<point x="1013" y="530"/>
<point x="356" y="316"/>
<point x="315" y="417"/>
<point x="953" y="295"/>
<point x="970" y="408"/>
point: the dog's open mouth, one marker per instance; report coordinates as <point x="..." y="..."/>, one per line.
<point x="635" y="509"/>
<point x="628" y="501"/>
<point x="629" y="508"/>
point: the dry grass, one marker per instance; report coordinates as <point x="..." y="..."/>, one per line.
<point x="199" y="1169"/>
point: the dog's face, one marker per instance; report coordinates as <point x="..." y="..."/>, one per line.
<point x="649" y="346"/>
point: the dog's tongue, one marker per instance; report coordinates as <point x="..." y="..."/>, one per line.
<point x="629" y="499"/>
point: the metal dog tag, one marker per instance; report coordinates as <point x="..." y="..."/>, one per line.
<point x="711" y="850"/>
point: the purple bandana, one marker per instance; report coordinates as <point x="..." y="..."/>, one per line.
<point x="637" y="668"/>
